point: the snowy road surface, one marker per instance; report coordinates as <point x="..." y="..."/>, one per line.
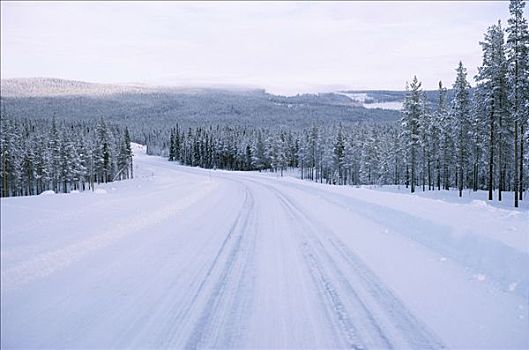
<point x="185" y="258"/>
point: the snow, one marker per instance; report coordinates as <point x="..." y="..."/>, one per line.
<point x="183" y="257"/>
<point x="365" y="101"/>
<point x="357" y="96"/>
<point x="395" y="106"/>
<point x="47" y="193"/>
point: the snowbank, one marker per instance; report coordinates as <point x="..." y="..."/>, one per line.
<point x="47" y="193"/>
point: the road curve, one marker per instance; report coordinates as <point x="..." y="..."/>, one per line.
<point x="189" y="258"/>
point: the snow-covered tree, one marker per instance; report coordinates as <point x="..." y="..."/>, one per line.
<point x="462" y="120"/>
<point x="492" y="83"/>
<point x="517" y="48"/>
<point x="411" y="115"/>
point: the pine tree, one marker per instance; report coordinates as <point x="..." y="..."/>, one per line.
<point x="55" y="152"/>
<point x="446" y="138"/>
<point x="478" y="140"/>
<point x="124" y="157"/>
<point x="128" y="153"/>
<point x="462" y="123"/>
<point x="172" y="154"/>
<point x="339" y="150"/>
<point x="349" y="161"/>
<point x="411" y="115"/>
<point x="6" y="150"/>
<point x="518" y="76"/>
<point x="282" y="159"/>
<point x="103" y="153"/>
<point x="435" y="133"/>
<point x="492" y="82"/>
<point x="424" y="127"/>
<point x="260" y="153"/>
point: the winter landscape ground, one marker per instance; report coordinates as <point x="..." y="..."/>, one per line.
<point x="186" y="257"/>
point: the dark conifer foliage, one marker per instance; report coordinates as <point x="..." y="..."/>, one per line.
<point x="41" y="155"/>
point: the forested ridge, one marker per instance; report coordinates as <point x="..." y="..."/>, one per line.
<point x="192" y="107"/>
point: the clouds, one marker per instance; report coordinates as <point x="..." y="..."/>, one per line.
<point x="285" y="47"/>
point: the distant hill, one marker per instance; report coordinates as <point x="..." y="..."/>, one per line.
<point x="51" y="87"/>
<point x="35" y="87"/>
<point x="158" y="105"/>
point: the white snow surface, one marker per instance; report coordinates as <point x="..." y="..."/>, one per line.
<point x="395" y="106"/>
<point x="362" y="99"/>
<point x="183" y="257"/>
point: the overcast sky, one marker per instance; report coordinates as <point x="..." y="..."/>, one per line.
<point x="281" y="46"/>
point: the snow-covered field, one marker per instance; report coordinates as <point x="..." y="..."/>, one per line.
<point x="184" y="257"/>
<point x="362" y="99"/>
<point x="396" y="106"/>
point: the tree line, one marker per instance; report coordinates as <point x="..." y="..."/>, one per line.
<point x="41" y="155"/>
<point x="353" y="154"/>
<point x="484" y="133"/>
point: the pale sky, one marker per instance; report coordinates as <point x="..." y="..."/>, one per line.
<point x="284" y="47"/>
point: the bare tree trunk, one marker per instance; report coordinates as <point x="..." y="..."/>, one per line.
<point x="4" y="178"/>
<point x="423" y="169"/>
<point x="438" y="175"/>
<point x="412" y="169"/>
<point x="446" y="186"/>
<point x="407" y="175"/>
<point x="520" y="189"/>
<point x="516" y="179"/>
<point x="460" y="170"/>
<point x="500" y="167"/>
<point x="491" y="154"/>
<point x="429" y="175"/>
<point x="396" y="178"/>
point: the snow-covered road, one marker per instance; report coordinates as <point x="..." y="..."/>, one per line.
<point x="185" y="258"/>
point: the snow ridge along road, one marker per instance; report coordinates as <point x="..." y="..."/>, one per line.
<point x="191" y="258"/>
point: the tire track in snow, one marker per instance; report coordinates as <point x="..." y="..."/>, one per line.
<point x="327" y="283"/>
<point x="390" y="323"/>
<point x="213" y="312"/>
<point x="440" y="239"/>
<point x="221" y="319"/>
<point x="151" y="327"/>
<point x="415" y="333"/>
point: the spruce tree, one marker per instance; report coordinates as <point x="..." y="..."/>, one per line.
<point x="411" y="115"/>
<point x="491" y="79"/>
<point x="462" y="124"/>
<point x="517" y="48"/>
